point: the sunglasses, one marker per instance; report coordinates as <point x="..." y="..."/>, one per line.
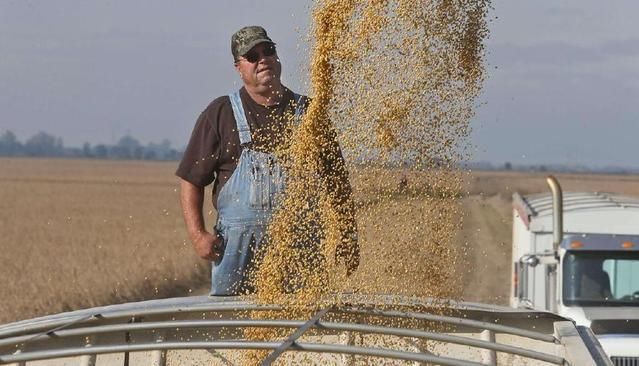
<point x="253" y="56"/>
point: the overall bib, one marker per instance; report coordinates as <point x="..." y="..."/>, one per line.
<point x="245" y="205"/>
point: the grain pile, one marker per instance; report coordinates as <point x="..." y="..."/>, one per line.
<point x="395" y="82"/>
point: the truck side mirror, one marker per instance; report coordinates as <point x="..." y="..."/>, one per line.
<point x="521" y="278"/>
<point x="529" y="260"/>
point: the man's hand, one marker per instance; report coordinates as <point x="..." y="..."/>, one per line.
<point x="208" y="246"/>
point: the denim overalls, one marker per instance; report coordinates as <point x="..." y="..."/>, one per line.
<point x="244" y="206"/>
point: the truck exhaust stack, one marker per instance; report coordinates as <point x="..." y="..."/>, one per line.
<point x="557" y="212"/>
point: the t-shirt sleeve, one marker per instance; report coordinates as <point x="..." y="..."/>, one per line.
<point x="201" y="157"/>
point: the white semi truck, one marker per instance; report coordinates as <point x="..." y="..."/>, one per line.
<point x="577" y="255"/>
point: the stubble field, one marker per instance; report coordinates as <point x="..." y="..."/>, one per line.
<point x="78" y="233"/>
<point x="82" y="233"/>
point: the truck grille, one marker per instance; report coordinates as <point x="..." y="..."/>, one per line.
<point x="625" y="361"/>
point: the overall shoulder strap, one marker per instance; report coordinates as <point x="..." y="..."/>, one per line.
<point x="240" y="118"/>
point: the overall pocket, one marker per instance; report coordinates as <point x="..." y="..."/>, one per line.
<point x="266" y="181"/>
<point x="258" y="182"/>
<point x="277" y="183"/>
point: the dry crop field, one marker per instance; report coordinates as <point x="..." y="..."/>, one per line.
<point x="80" y="233"/>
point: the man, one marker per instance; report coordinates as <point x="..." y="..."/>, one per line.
<point x="594" y="283"/>
<point x="232" y="146"/>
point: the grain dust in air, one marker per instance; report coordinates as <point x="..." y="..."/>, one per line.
<point x="396" y="83"/>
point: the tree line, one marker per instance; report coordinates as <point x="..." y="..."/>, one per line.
<point x="43" y="144"/>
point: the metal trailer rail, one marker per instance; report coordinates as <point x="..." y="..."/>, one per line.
<point x="217" y="323"/>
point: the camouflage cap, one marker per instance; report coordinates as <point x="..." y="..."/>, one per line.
<point x="246" y="38"/>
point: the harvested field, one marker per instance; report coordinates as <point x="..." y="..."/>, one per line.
<point x="81" y="233"/>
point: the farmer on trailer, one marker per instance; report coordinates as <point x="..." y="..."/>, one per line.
<point x="232" y="147"/>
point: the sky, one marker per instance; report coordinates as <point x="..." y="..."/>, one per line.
<point x="562" y="81"/>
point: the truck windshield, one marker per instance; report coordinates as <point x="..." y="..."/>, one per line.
<point x="601" y="278"/>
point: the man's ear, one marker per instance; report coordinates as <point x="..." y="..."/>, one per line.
<point x="237" y="68"/>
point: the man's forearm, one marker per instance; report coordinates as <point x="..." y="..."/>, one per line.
<point x="192" y="199"/>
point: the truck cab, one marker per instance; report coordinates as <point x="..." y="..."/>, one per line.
<point x="589" y="272"/>
<point x="600" y="288"/>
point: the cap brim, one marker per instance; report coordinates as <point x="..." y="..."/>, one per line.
<point x="255" y="43"/>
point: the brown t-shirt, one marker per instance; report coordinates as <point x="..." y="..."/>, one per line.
<point x="214" y="148"/>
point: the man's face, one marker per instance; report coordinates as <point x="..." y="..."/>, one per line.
<point x="260" y="67"/>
